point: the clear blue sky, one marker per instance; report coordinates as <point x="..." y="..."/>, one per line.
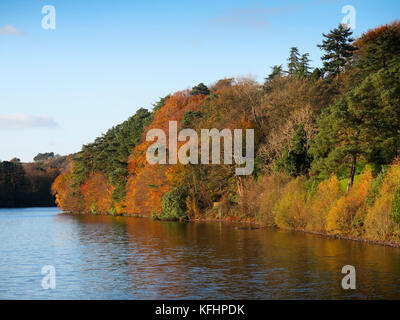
<point x="61" y="88"/>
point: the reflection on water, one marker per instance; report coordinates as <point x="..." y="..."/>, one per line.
<point x="99" y="257"/>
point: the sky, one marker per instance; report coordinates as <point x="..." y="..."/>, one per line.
<point x="61" y="88"/>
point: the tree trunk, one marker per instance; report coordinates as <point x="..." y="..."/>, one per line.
<point x="352" y="172"/>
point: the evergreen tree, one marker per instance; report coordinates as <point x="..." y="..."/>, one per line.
<point x="44" y="156"/>
<point x="296" y="160"/>
<point x="174" y="204"/>
<point x="339" y="49"/>
<point x="293" y="60"/>
<point x="316" y="74"/>
<point x="379" y="48"/>
<point x="109" y="153"/>
<point x="276" y="71"/>
<point x="190" y="118"/>
<point x="303" y="66"/>
<point x="364" y="123"/>
<point x="338" y="141"/>
<point x="201" y="88"/>
<point x="160" y="103"/>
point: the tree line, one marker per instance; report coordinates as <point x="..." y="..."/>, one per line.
<point x="29" y="184"/>
<point x="326" y="144"/>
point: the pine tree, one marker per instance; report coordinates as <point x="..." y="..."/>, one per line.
<point x="303" y="66"/>
<point x="339" y="49"/>
<point x="316" y="74"/>
<point x="293" y="60"/>
<point x="338" y="142"/>
<point x="201" y="88"/>
<point x="378" y="48"/>
<point x="276" y="71"/>
<point x="365" y="123"/>
<point x="296" y="160"/>
<point x="160" y="103"/>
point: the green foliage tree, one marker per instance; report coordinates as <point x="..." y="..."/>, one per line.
<point x="109" y="153"/>
<point x="338" y="141"/>
<point x="277" y="71"/>
<point x="303" y="66"/>
<point x="201" y="88"/>
<point x="316" y="74"/>
<point x="338" y="49"/>
<point x="378" y="49"/>
<point x="294" y="58"/>
<point x="190" y="117"/>
<point x="174" y="204"/>
<point x="44" y="156"/>
<point x="160" y="103"/>
<point x="363" y="123"/>
<point x="296" y="161"/>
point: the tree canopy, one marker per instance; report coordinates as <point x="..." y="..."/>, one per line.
<point x="339" y="48"/>
<point x="326" y="147"/>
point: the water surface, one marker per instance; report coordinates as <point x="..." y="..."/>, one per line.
<point x="99" y="257"/>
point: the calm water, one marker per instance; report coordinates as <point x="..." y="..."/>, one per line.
<point x="131" y="258"/>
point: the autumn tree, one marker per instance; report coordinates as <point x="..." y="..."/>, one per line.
<point x="109" y="154"/>
<point x="358" y="119"/>
<point x="67" y="199"/>
<point x="222" y="84"/>
<point x="97" y="192"/>
<point x="160" y="103"/>
<point x="147" y="183"/>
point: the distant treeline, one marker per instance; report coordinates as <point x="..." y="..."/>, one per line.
<point x="28" y="184"/>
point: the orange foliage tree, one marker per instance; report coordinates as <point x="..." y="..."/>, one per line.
<point x="97" y="192"/>
<point x="148" y="183"/>
<point x="66" y="198"/>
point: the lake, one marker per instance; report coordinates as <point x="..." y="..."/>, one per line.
<point x="104" y="257"/>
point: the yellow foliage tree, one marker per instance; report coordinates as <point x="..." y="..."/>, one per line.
<point x="347" y="215"/>
<point x="290" y="211"/>
<point x="379" y="224"/>
<point x="319" y="206"/>
<point x="271" y="192"/>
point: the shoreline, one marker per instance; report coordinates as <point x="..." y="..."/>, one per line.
<point x="255" y="226"/>
<point x="316" y="233"/>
